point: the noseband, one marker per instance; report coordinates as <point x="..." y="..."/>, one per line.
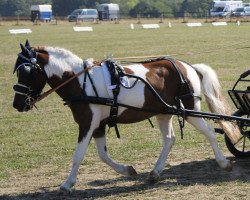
<point x="26" y="91"/>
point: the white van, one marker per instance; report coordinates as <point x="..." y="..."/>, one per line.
<point x="83" y="15"/>
<point x="224" y="8"/>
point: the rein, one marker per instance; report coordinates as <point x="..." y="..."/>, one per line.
<point x="210" y="51"/>
<point x="47" y="93"/>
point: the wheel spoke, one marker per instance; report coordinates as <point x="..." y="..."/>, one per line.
<point x="244" y="144"/>
<point x="242" y="147"/>
<point x="239" y="140"/>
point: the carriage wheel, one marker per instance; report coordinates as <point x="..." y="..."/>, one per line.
<point x="242" y="148"/>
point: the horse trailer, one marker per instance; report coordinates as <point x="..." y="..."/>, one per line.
<point x="108" y="11"/>
<point x="41" y="12"/>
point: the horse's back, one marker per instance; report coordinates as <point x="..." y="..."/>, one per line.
<point x="165" y="79"/>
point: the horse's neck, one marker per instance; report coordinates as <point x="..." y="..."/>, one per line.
<point x="62" y="65"/>
<point x="61" y="61"/>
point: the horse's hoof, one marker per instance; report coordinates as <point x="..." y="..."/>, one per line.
<point x="229" y="166"/>
<point x="131" y="171"/>
<point x="154" y="177"/>
<point x="64" y="190"/>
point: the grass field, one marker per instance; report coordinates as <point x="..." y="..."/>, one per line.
<point x="36" y="147"/>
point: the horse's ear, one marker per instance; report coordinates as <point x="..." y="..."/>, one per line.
<point x="27" y="44"/>
<point x="24" y="49"/>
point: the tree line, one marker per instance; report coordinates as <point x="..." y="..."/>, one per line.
<point x="129" y="8"/>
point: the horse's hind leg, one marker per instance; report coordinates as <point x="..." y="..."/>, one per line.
<point x="201" y="125"/>
<point x="168" y="138"/>
<point x="100" y="140"/>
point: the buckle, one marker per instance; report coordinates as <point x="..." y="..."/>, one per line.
<point x="110" y="102"/>
<point x="114" y="110"/>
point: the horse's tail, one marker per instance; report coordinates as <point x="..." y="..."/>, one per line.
<point x="216" y="103"/>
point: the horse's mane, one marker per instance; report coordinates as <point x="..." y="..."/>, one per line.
<point x="60" y="51"/>
<point x="62" y="60"/>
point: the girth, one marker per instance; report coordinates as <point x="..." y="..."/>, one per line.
<point x="115" y="74"/>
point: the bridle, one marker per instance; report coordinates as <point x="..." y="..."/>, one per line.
<point x="32" y="96"/>
<point x="28" y="65"/>
<point x="26" y="91"/>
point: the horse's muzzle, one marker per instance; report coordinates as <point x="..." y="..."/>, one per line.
<point x="20" y="103"/>
<point x="21" y="108"/>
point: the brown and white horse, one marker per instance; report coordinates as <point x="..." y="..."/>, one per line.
<point x="37" y="66"/>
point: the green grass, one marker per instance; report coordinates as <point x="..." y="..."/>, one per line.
<point x="48" y="136"/>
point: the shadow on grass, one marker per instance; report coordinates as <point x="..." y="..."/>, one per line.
<point x="204" y="172"/>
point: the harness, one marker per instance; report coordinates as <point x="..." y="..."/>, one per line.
<point x="33" y="96"/>
<point x="114" y="76"/>
<point x="116" y="72"/>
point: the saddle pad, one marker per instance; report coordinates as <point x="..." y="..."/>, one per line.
<point x="123" y="80"/>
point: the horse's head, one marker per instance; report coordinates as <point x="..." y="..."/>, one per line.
<point x="31" y="78"/>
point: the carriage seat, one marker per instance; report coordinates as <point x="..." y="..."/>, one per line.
<point x="241" y="99"/>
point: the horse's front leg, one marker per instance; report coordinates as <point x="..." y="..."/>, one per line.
<point x="100" y="140"/>
<point x="77" y="158"/>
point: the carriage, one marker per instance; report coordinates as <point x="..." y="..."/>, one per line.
<point x="161" y="87"/>
<point x="241" y="100"/>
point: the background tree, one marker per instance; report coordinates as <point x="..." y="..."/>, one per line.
<point x="144" y="9"/>
<point x="152" y="8"/>
<point x="12" y="7"/>
<point x="22" y="7"/>
<point x="195" y="8"/>
<point x="63" y="8"/>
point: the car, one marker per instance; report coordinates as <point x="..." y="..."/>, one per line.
<point x="241" y="12"/>
<point x="247" y="11"/>
<point x="238" y="12"/>
<point x="83" y="15"/>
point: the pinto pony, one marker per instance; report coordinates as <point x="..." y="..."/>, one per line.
<point x="37" y="66"/>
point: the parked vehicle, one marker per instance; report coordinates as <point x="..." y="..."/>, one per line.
<point x="224" y="8"/>
<point x="41" y="12"/>
<point x="83" y="15"/>
<point x="247" y="11"/>
<point x="108" y="11"/>
<point x="241" y="12"/>
<point x="238" y="12"/>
